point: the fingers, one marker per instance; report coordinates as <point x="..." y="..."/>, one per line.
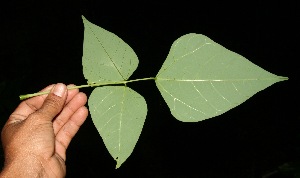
<point x="68" y="131"/>
<point x="31" y="105"/>
<point x="77" y="102"/>
<point x="53" y="103"/>
<point x="68" y="122"/>
<point x="71" y="93"/>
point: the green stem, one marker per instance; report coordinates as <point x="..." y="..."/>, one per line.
<point x="22" y="97"/>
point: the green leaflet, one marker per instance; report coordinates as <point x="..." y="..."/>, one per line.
<point x="106" y="57"/>
<point x="201" y="79"/>
<point x="119" y="114"/>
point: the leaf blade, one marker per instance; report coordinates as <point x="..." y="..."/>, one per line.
<point x="106" y="57"/>
<point x="118" y="113"/>
<point x="201" y="79"/>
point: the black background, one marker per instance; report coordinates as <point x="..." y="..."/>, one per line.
<point x="41" y="44"/>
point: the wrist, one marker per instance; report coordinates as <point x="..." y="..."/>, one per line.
<point x="24" y="167"/>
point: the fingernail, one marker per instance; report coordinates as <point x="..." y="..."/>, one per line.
<point x="59" y="89"/>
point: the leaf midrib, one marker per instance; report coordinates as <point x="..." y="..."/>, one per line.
<point x="110" y="58"/>
<point x="220" y="80"/>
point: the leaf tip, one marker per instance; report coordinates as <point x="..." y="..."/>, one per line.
<point x="118" y="163"/>
<point x="283" y="78"/>
<point x="84" y="19"/>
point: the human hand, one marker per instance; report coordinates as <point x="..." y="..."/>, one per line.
<point x="38" y="132"/>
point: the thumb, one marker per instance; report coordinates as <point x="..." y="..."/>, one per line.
<point x="54" y="102"/>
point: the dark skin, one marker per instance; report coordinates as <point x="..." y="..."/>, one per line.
<point x="37" y="134"/>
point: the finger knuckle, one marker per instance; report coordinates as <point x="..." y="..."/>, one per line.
<point x="53" y="102"/>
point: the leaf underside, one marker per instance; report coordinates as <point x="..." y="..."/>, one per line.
<point x="201" y="79"/>
<point x="118" y="113"/>
<point x="106" y="57"/>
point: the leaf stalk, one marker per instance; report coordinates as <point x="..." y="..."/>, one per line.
<point x="26" y="96"/>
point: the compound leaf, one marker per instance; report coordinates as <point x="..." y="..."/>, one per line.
<point x="118" y="113"/>
<point x="201" y="79"/>
<point x="106" y="57"/>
